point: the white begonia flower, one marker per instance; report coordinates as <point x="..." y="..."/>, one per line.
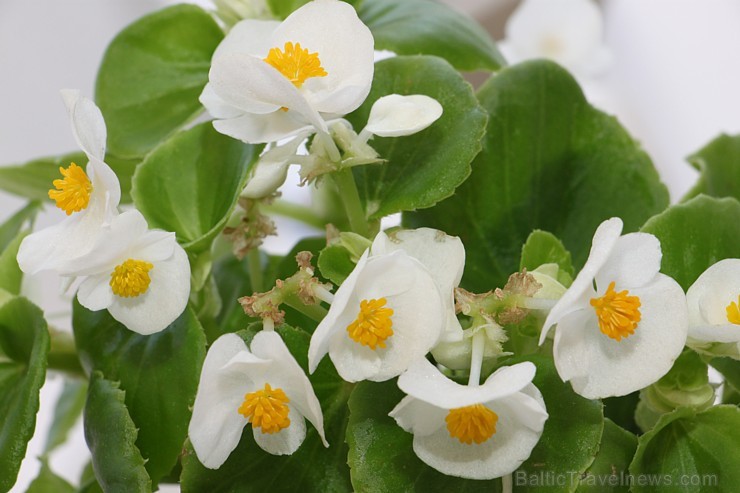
<point x="444" y="258"/>
<point x="570" y="32"/>
<point x="141" y="276"/>
<point x="396" y="115"/>
<point x="90" y="199"/>
<point x="387" y="313"/>
<point x="271" y="170"/>
<point x="269" y="80"/>
<point x="262" y="385"/>
<point x="621" y="324"/>
<point x="474" y="432"/>
<point x="714" y="307"/>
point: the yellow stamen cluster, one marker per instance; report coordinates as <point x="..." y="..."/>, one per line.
<point x="131" y="278"/>
<point x="470" y="424"/>
<point x="72" y="193"/>
<point x="733" y="312"/>
<point x="296" y="63"/>
<point x="266" y="409"/>
<point x="373" y="324"/>
<point x="618" y="313"/>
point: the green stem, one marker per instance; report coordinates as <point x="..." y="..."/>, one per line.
<point x="314" y="312"/>
<point x="63" y="353"/>
<point x="347" y="188"/>
<point x="294" y="211"/>
<point x="255" y="270"/>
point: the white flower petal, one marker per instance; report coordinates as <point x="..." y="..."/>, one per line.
<point x="216" y="425"/>
<point x="634" y="261"/>
<point x="714" y="333"/>
<point x="418" y="318"/>
<point x="95" y="292"/>
<point x="334" y="320"/>
<point x="423" y="381"/>
<point x="288" y="375"/>
<point x="287" y="440"/>
<point x="217" y="107"/>
<point x="163" y="302"/>
<point x="249" y="36"/>
<point x="598" y="366"/>
<point x="271" y="170"/>
<point x="88" y="125"/>
<point x="712" y="292"/>
<point x="257" y="129"/>
<point x="345" y="48"/>
<point x="441" y="254"/>
<point x="501" y="454"/>
<point x="418" y="417"/>
<point x="604" y="240"/>
<point x="395" y="115"/>
<point x="106" y="193"/>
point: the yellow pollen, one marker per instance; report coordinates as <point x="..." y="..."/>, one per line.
<point x="733" y="312"/>
<point x="618" y="313"/>
<point x="266" y="409"/>
<point x="296" y="63"/>
<point x="131" y="278"/>
<point x="72" y="193"/>
<point x="373" y="324"/>
<point x="470" y="424"/>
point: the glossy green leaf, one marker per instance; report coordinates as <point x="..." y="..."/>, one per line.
<point x="24" y="340"/>
<point x="48" y="482"/>
<point x="730" y="369"/>
<point x="690" y="452"/>
<point x="426" y="167"/>
<point x="541" y="248"/>
<point x="190" y="184"/>
<point x="719" y="166"/>
<point x="381" y="458"/>
<point x="312" y="468"/>
<point x="232" y="279"/>
<point x="427" y="27"/>
<point x="33" y="179"/>
<point x="335" y="263"/>
<point x="550" y="161"/>
<point x="609" y="471"/>
<point x="68" y="409"/>
<point x="621" y="410"/>
<point x="14" y="224"/>
<point x="152" y="75"/>
<point x="111" y="435"/>
<point x="695" y="235"/>
<point x="572" y="433"/>
<point x="159" y="374"/>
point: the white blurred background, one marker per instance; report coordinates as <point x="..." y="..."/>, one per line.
<point x="673" y="81"/>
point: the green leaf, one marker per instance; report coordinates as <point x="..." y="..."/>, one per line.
<point x="381" y="458"/>
<point x="232" y="278"/>
<point x="68" y="408"/>
<point x="33" y="179"/>
<point x="25" y="342"/>
<point x="10" y="229"/>
<point x="621" y="410"/>
<point x="690" y="452"/>
<point x="11" y="275"/>
<point x="609" y="470"/>
<point x="335" y="263"/>
<point x="572" y="433"/>
<point x="190" y="184"/>
<point x="111" y="434"/>
<point x="312" y="468"/>
<point x="550" y="161"/>
<point x="152" y="75"/>
<point x="426" y="167"/>
<point x="424" y="27"/>
<point x="159" y="374"/>
<point x="695" y="235"/>
<point x="730" y="369"/>
<point x="48" y="482"/>
<point x="541" y="248"/>
<point x="719" y="166"/>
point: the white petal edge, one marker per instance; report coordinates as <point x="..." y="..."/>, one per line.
<point x="88" y="125"/>
<point x="634" y="261"/>
<point x="712" y="292"/>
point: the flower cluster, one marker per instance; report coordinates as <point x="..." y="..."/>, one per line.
<point x="141" y="276"/>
